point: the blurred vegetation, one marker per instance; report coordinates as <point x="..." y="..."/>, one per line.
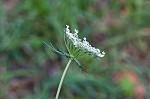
<point x="29" y="70"/>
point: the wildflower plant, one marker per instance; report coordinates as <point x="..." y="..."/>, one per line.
<point x="75" y="48"/>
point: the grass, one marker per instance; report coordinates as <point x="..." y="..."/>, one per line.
<point x="121" y="29"/>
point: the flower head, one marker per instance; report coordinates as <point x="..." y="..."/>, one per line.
<point x="84" y="45"/>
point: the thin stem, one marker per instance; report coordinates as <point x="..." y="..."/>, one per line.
<point x="62" y="79"/>
<point x="66" y="44"/>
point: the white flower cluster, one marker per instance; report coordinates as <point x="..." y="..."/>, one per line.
<point x="83" y="44"/>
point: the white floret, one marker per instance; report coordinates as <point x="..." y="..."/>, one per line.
<point x="83" y="44"/>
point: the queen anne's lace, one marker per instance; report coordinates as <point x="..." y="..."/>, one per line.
<point x="83" y="44"/>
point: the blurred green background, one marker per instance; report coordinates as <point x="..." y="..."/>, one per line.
<point x="29" y="70"/>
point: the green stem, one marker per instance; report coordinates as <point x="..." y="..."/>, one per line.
<point x="62" y="79"/>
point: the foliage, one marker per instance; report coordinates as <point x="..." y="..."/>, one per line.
<point x="28" y="69"/>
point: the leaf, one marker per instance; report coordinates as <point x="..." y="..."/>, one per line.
<point x="57" y="51"/>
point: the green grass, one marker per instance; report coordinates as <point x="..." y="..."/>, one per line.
<point x="115" y="27"/>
